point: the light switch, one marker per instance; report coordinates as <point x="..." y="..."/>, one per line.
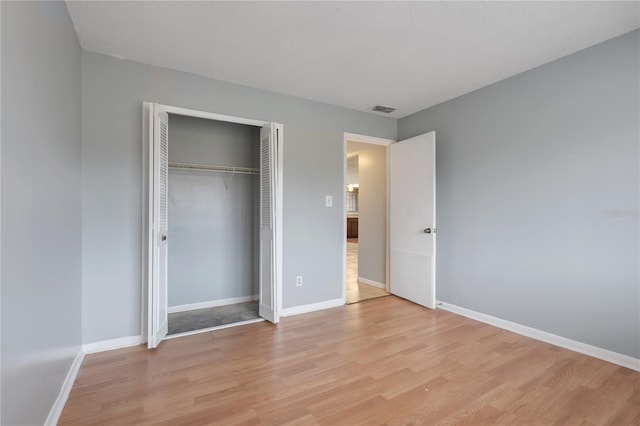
<point x="328" y="201"/>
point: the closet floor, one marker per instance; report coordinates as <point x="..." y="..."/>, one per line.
<point x="181" y="322"/>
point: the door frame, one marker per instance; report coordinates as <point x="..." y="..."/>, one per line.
<point x="147" y="186"/>
<point x="353" y="137"/>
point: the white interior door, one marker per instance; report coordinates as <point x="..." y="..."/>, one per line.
<point x="270" y="141"/>
<point x="158" y="153"/>
<point x="412" y="219"/>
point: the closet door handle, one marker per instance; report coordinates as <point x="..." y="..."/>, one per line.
<point x="164" y="238"/>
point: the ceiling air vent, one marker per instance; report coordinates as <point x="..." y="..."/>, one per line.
<point x="385" y="109"/>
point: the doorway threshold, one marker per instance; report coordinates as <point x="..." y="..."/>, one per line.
<point x="218" y="327"/>
<point x="364" y="299"/>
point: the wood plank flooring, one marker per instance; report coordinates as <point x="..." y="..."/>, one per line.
<point x="383" y="361"/>
<point x="357" y="291"/>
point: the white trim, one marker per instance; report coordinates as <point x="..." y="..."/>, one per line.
<point x="217" y="327"/>
<point x="211" y="116"/>
<point x="147" y="215"/>
<point x="563" y="342"/>
<point x="372" y="283"/>
<point x="434" y="262"/>
<point x="344" y="219"/>
<point x="278" y="218"/>
<point x="65" y="389"/>
<point x="304" y="309"/>
<point x="353" y="137"/>
<point x="388" y="230"/>
<point x="212" y="303"/>
<point x="107" y="345"/>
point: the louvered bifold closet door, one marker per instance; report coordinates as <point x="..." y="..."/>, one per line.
<point x="164" y="178"/>
<point x="161" y="227"/>
<point x="267" y="308"/>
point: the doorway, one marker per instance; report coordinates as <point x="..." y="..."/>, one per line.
<point x="365" y="218"/>
<point x="410" y="218"/>
<point x="214" y="196"/>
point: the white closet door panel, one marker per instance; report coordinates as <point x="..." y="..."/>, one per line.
<point x="158" y="294"/>
<point x="164" y="172"/>
<point x="268" y="175"/>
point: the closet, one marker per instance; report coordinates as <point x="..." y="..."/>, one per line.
<point x="213" y="215"/>
<point x="214" y="232"/>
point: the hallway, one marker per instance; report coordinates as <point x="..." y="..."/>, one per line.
<point x="358" y="291"/>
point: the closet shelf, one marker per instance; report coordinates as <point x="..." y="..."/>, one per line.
<point x="219" y="169"/>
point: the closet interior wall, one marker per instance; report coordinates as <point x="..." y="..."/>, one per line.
<point x="213" y="216"/>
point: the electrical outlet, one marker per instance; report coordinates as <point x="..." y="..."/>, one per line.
<point x="299" y="280"/>
<point x="328" y="201"/>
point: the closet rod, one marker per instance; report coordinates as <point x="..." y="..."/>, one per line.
<point x="221" y="169"/>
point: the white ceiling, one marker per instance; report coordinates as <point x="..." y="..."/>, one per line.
<point x="408" y="55"/>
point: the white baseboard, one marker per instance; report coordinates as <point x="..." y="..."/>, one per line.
<point x="212" y="303"/>
<point x="373" y="283"/>
<point x="303" y="309"/>
<point x="534" y="333"/>
<point x="65" y="389"/>
<point x="107" y="345"/>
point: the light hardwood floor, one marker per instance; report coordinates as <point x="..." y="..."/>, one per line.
<point x="357" y="291"/>
<point x="382" y="361"/>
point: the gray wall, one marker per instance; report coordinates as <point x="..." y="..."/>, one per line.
<point x="213" y="217"/>
<point x="538" y="196"/>
<point x="372" y="217"/>
<point x="200" y="141"/>
<point x="112" y="93"/>
<point x="41" y="207"/>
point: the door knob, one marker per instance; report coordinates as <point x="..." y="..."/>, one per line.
<point x="427" y="230"/>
